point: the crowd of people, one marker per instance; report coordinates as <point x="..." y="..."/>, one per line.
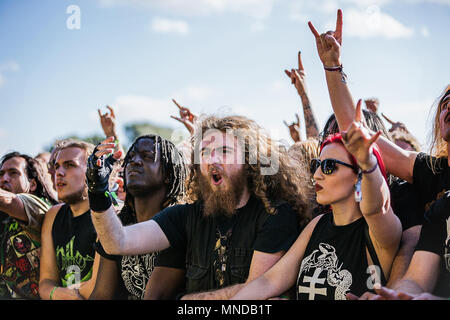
<point x="352" y="211"/>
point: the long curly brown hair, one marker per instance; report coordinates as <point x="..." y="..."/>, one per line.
<point x="438" y="146"/>
<point x="272" y="175"/>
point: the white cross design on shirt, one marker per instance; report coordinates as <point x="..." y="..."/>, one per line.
<point x="312" y="290"/>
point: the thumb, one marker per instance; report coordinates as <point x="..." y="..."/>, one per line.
<point x="375" y="137"/>
<point x="330" y="40"/>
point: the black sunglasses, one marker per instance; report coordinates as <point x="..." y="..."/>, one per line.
<point x="328" y="166"/>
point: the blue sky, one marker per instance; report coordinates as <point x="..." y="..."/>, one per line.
<point x="214" y="56"/>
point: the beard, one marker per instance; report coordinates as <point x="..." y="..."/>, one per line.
<point x="75" y="197"/>
<point x="223" y="199"/>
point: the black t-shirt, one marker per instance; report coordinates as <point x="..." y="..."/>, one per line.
<point x="73" y="240"/>
<point x="435" y="238"/>
<point x="430" y="186"/>
<point x="335" y="262"/>
<point x="135" y="271"/>
<point x="278" y="232"/>
<point x="218" y="249"/>
<point x="435" y="233"/>
<point x="406" y="204"/>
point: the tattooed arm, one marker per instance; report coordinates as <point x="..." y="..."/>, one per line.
<point x="298" y="79"/>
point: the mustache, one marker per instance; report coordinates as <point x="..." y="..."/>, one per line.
<point x="216" y="170"/>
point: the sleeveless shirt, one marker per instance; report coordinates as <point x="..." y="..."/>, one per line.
<point x="335" y="262"/>
<point x="73" y="240"/>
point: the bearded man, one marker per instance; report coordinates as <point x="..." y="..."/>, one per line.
<point x="249" y="204"/>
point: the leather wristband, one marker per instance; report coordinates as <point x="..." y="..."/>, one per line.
<point x="99" y="202"/>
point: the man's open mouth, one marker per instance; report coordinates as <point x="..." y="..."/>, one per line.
<point x="216" y="178"/>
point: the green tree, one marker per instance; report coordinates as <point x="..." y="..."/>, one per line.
<point x="94" y="139"/>
<point x="134" y="130"/>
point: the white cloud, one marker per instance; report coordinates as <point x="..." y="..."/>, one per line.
<point x="253" y="8"/>
<point x="137" y="108"/>
<point x="163" y="25"/>
<point x="371" y="22"/>
<point x="194" y="93"/>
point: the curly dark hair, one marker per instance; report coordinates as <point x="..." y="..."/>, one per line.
<point x="34" y="171"/>
<point x="289" y="182"/>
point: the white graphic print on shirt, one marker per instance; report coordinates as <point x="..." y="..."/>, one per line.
<point x="135" y="275"/>
<point x="324" y="259"/>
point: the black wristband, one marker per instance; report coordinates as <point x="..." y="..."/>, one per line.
<point x="99" y="202"/>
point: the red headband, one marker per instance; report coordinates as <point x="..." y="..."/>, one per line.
<point x="337" y="138"/>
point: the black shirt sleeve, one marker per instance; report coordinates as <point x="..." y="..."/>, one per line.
<point x="172" y="221"/>
<point x="422" y="172"/>
<point x="432" y="237"/>
<point x="99" y="249"/>
<point x="428" y="183"/>
<point x="279" y="231"/>
<point x="406" y="204"/>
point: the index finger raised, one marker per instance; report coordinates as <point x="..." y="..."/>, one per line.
<point x="177" y="104"/>
<point x="387" y="119"/>
<point x="358" y="112"/>
<point x="313" y="30"/>
<point x="300" y="64"/>
<point x="339" y="23"/>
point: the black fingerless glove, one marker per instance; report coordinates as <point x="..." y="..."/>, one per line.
<point x="97" y="180"/>
<point x="439" y="210"/>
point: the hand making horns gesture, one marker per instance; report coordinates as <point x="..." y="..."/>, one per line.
<point x="298" y="76"/>
<point x="108" y="122"/>
<point x="294" y="129"/>
<point x="186" y="117"/>
<point x="329" y="43"/>
<point x="358" y="141"/>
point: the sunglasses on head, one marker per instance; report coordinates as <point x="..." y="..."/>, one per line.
<point x="328" y="166"/>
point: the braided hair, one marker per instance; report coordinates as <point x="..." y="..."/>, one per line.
<point x="173" y="165"/>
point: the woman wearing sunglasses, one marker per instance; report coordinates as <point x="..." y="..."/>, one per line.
<point x="352" y="247"/>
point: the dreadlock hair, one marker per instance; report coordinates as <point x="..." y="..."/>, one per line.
<point x="173" y="165"/>
<point x="288" y="182"/>
<point x="407" y="137"/>
<point x="34" y="171"/>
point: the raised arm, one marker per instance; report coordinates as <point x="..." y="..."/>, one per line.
<point x="294" y="129"/>
<point x="298" y="79"/>
<point x="186" y="117"/>
<point x="375" y="204"/>
<point x="116" y="239"/>
<point x="398" y="162"/>
<point x="384" y="226"/>
<point x="11" y="204"/>
<point x="108" y="123"/>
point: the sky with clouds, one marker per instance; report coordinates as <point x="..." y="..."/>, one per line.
<point x="62" y="60"/>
